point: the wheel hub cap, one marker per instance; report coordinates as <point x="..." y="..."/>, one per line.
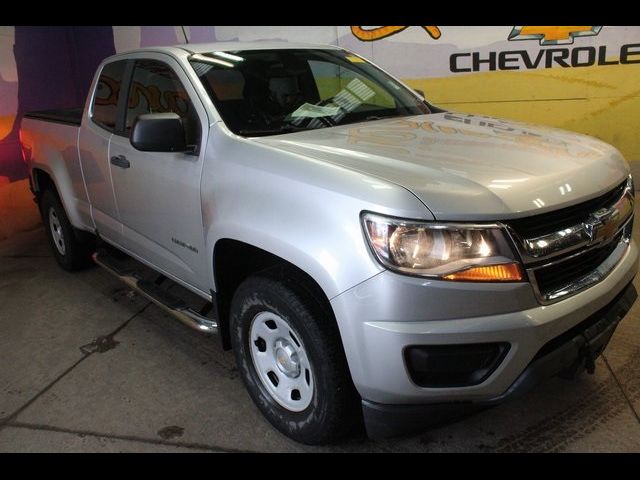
<point x="56" y="231"/>
<point x="287" y="358"/>
<point x="281" y="361"/>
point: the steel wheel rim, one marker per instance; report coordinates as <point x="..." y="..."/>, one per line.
<point x="281" y="361"/>
<point x="56" y="231"/>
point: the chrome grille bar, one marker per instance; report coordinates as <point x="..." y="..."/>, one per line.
<point x="600" y="227"/>
<point x="584" y="281"/>
<point x="549" y="259"/>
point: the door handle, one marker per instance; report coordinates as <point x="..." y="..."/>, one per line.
<point x="120" y="161"/>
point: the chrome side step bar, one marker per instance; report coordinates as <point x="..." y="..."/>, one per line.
<point x="165" y="300"/>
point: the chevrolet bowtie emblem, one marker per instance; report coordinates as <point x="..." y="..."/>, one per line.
<point x="601" y="225"/>
<point x="591" y="228"/>
<point x="552" y="35"/>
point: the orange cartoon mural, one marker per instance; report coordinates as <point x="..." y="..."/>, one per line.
<point x="378" y="33"/>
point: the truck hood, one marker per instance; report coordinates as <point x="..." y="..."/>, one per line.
<point x="468" y="167"/>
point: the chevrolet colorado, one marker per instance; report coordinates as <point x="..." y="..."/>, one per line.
<point x="367" y="255"/>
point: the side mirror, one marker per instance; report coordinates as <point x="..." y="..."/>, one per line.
<point x="419" y="92"/>
<point x="158" y="132"/>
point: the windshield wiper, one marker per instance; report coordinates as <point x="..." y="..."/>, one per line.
<point x="375" y="117"/>
<point x="368" y="118"/>
<point x="286" y="128"/>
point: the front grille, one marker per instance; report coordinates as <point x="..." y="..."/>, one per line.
<point x="562" y="266"/>
<point x="537" y="225"/>
<point x="558" y="275"/>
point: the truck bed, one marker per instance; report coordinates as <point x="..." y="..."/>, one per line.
<point x="69" y="116"/>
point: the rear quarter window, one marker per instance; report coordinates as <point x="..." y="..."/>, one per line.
<point x="105" y="100"/>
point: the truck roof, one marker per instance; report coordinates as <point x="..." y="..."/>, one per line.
<point x="225" y="46"/>
<point x="231" y="46"/>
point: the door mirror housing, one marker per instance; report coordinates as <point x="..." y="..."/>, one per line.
<point x="419" y="92"/>
<point x="158" y="132"/>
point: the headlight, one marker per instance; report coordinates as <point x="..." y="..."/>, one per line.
<point x="444" y="251"/>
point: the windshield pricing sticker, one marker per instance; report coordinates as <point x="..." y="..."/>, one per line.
<point x="313" y="111"/>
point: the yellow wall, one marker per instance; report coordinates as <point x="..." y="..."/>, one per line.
<point x="602" y="101"/>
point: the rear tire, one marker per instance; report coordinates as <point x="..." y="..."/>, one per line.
<point x="72" y="249"/>
<point x="301" y="383"/>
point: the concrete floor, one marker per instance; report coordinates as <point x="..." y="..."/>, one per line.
<point x="86" y="365"/>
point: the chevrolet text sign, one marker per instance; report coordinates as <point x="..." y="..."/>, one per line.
<point x="566" y="56"/>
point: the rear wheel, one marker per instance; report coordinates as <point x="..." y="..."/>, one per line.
<point x="289" y="353"/>
<point x="71" y="249"/>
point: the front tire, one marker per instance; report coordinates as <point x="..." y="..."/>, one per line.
<point x="71" y="249"/>
<point x="290" y="357"/>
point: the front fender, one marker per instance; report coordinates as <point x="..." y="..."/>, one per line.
<point x="300" y="209"/>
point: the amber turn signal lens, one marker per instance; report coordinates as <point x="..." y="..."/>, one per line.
<point x="508" y="272"/>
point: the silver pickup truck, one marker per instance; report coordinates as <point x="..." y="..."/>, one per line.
<point x="366" y="255"/>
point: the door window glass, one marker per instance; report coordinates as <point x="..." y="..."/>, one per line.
<point x="155" y="88"/>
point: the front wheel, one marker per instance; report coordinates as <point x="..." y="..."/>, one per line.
<point x="289" y="353"/>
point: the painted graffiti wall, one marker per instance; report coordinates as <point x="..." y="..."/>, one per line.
<point x="581" y="78"/>
<point x="40" y="68"/>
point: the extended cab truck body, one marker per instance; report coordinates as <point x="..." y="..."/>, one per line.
<point x="359" y="249"/>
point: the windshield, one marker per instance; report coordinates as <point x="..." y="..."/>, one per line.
<point x="269" y="92"/>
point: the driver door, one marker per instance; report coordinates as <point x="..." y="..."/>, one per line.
<point x="158" y="193"/>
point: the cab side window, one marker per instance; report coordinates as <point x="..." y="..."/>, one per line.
<point x="105" y="100"/>
<point x="155" y="88"/>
